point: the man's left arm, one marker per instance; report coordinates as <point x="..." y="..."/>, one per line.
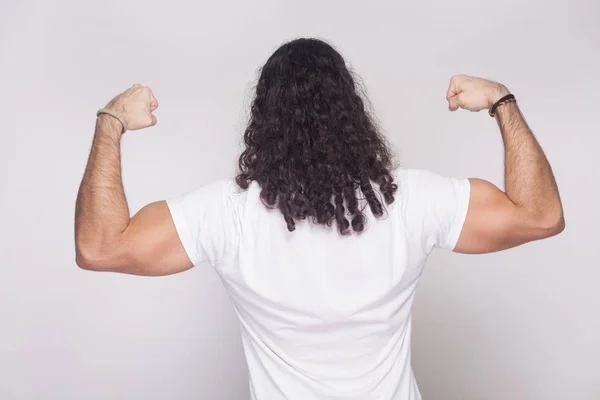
<point x="106" y="238"/>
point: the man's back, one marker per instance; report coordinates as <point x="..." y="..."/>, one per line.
<point x="323" y="315"/>
<point x="323" y="243"/>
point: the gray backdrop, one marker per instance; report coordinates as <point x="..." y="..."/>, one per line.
<point x="522" y="324"/>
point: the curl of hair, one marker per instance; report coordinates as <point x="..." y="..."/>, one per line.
<point x="311" y="144"/>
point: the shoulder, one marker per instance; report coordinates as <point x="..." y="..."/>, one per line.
<point x="209" y="197"/>
<point x="433" y="205"/>
<point x="423" y="182"/>
<point x="411" y="181"/>
<point x="228" y="196"/>
<point x="222" y="189"/>
<point x="428" y="195"/>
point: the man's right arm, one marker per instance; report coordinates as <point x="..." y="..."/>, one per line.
<point x="530" y="207"/>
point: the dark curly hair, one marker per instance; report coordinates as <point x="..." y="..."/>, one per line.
<point x="310" y="143"/>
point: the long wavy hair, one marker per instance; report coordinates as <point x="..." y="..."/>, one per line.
<point x="311" y="145"/>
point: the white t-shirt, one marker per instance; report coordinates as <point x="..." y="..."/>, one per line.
<point x="323" y="316"/>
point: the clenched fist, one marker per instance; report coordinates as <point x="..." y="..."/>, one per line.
<point x="135" y="107"/>
<point x="473" y="94"/>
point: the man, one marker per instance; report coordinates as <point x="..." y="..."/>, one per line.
<point x="319" y="240"/>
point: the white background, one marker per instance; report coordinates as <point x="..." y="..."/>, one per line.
<point x="522" y="324"/>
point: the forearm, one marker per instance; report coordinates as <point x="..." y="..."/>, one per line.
<point x="529" y="181"/>
<point x="101" y="212"/>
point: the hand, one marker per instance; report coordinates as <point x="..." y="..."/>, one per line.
<point x="473" y="94"/>
<point x="135" y="106"/>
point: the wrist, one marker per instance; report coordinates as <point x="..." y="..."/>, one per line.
<point x="505" y="110"/>
<point x="108" y="125"/>
<point x="497" y="92"/>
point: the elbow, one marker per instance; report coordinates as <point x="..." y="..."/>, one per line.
<point x="87" y="260"/>
<point x="552" y="224"/>
<point x="93" y="259"/>
<point x="560" y="226"/>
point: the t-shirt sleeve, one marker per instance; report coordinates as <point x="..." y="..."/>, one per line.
<point x="205" y="222"/>
<point x="435" y="207"/>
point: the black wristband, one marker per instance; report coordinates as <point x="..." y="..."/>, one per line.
<point x="506" y="99"/>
